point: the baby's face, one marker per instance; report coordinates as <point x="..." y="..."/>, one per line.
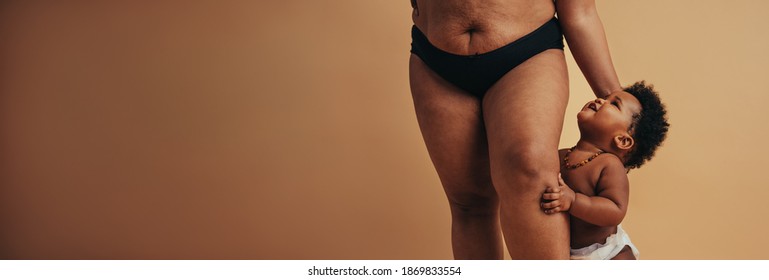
<point x="609" y="116"/>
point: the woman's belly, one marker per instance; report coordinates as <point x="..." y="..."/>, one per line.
<point x="468" y="27"/>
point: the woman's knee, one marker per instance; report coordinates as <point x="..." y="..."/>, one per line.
<point x="524" y="173"/>
<point x="473" y="203"/>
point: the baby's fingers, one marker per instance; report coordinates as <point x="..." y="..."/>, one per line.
<point x="560" y="180"/>
<point x="553" y="190"/>
<point x="551" y="204"/>
<point x="552" y="195"/>
<point x="553" y="211"/>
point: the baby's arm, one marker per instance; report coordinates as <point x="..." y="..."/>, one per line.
<point x="606" y="208"/>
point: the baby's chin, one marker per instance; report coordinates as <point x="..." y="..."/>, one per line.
<point x="584" y="115"/>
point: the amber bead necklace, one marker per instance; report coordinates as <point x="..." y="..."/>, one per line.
<point x="581" y="163"/>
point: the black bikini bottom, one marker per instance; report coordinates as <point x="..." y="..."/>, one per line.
<point x="477" y="73"/>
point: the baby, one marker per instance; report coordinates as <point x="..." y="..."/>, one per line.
<point x="617" y="134"/>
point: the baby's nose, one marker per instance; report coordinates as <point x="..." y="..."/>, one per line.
<point x="600" y="100"/>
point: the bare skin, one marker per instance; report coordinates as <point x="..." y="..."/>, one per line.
<point x="495" y="156"/>
<point x="597" y="193"/>
<point x="615" y="191"/>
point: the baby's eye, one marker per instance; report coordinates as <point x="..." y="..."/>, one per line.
<point x="615" y="103"/>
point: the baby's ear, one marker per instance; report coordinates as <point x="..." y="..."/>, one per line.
<point x="624" y="141"/>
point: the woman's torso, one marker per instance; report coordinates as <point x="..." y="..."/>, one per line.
<point x="468" y="27"/>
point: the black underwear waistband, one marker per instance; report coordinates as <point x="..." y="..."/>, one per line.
<point x="477" y="73"/>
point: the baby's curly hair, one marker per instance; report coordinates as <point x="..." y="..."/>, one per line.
<point x="649" y="127"/>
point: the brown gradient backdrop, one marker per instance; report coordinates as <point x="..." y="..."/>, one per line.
<point x="285" y="130"/>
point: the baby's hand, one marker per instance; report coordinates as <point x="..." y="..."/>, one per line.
<point x="557" y="199"/>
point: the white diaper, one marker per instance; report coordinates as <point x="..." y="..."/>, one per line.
<point x="612" y="247"/>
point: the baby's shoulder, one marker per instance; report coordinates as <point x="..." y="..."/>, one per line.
<point x="612" y="174"/>
<point x="609" y="161"/>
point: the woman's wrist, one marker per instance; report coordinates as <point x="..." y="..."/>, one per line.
<point x="603" y="93"/>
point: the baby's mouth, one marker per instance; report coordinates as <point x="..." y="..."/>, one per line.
<point x="593" y="106"/>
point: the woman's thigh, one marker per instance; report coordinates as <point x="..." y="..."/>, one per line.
<point x="523" y="115"/>
<point x="452" y="127"/>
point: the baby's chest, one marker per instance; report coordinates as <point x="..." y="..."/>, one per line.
<point x="582" y="181"/>
<point x="583" y="188"/>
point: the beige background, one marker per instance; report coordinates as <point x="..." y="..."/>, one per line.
<point x="285" y="130"/>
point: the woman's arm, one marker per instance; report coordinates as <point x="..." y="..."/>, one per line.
<point x="586" y="38"/>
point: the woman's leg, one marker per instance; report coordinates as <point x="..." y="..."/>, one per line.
<point x="523" y="113"/>
<point x="452" y="127"/>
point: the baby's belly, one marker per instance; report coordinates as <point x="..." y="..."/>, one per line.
<point x="584" y="234"/>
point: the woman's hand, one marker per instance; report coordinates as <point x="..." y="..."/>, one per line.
<point x="557" y="199"/>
